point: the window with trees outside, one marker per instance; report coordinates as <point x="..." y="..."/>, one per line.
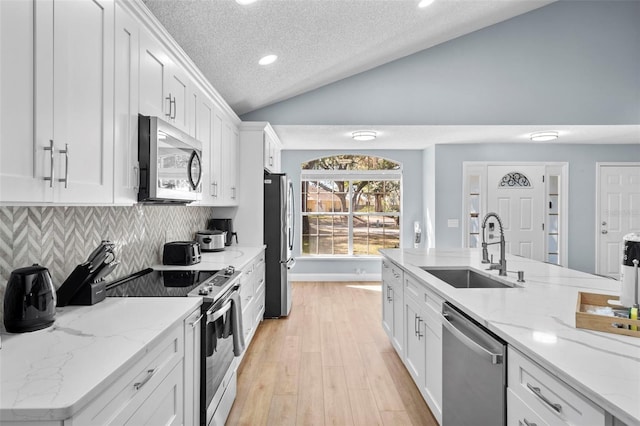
<point x="350" y="205"/>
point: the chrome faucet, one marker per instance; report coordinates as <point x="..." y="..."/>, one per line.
<point x="502" y="265"/>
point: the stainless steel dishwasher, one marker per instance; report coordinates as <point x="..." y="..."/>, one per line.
<point x="474" y="372"/>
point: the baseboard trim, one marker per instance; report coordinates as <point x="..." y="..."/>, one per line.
<point x="335" y="277"/>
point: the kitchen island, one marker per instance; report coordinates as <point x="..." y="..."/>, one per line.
<point x="537" y="318"/>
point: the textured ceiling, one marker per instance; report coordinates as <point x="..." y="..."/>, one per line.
<point x="317" y="41"/>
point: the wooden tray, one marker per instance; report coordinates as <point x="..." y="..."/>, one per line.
<point x="601" y="322"/>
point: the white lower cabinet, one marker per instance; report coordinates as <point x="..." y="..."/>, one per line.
<point x="393" y="304"/>
<point x="545" y="397"/>
<point x="519" y="413"/>
<point x="192" y="355"/>
<point x="423" y="341"/>
<point x="153" y="385"/>
<point x="252" y="296"/>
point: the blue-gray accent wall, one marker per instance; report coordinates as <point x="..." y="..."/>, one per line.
<point x="571" y="62"/>
<point x="582" y="161"/>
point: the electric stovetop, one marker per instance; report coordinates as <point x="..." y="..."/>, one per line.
<point x="152" y="283"/>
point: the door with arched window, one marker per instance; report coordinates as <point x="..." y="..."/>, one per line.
<point x="517" y="194"/>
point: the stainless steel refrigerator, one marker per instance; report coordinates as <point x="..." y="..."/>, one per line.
<point x="279" y="228"/>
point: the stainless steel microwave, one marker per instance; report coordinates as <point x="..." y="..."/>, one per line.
<point x="170" y="163"/>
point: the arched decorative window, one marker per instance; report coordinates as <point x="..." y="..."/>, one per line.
<point x="350" y="205"/>
<point x="514" y="180"/>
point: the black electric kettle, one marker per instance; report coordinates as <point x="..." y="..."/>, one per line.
<point x="29" y="300"/>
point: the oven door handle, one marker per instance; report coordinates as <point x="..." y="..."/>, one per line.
<point x="213" y="315"/>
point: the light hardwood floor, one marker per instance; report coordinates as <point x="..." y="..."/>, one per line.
<point x="328" y="363"/>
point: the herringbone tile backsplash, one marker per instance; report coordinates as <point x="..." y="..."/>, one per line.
<point x="62" y="237"/>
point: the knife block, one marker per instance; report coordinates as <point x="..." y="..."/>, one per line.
<point x="89" y="294"/>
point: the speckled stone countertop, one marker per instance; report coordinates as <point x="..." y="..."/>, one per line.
<point x="604" y="367"/>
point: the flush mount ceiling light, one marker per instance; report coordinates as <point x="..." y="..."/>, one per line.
<point x="543" y="136"/>
<point x="425" y="3"/>
<point x="245" y="2"/>
<point x="364" y="135"/>
<point x="267" y="60"/>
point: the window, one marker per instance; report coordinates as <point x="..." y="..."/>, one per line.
<point x="350" y="205"/>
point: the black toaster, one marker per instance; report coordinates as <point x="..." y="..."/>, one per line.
<point x="181" y="253"/>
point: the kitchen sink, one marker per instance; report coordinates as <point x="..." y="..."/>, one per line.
<point x="465" y="278"/>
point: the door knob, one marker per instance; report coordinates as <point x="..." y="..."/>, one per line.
<point x="604" y="231"/>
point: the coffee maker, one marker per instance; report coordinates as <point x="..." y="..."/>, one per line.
<point x="225" y="225"/>
<point x="629" y="270"/>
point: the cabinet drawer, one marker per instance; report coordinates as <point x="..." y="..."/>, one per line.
<point x="413" y="288"/>
<point x="554" y="401"/>
<point x="136" y="384"/>
<point x="519" y="413"/>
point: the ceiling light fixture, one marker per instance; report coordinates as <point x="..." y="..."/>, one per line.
<point x="364" y="135"/>
<point x="245" y="2"/>
<point x="425" y="3"/>
<point x="543" y="136"/>
<point x="267" y="60"/>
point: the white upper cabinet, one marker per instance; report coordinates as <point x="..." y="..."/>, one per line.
<point x="127" y="42"/>
<point x="230" y="152"/>
<point x="165" y="89"/>
<point x="57" y="78"/>
<point x="74" y="96"/>
<point x="272" y="151"/>
<point x="23" y="162"/>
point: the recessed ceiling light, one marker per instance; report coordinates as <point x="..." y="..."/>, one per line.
<point x="269" y="59"/>
<point x="364" y="135"/>
<point x="425" y="3"/>
<point x="245" y="2"/>
<point x="543" y="136"/>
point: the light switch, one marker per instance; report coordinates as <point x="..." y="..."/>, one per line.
<point x="453" y="223"/>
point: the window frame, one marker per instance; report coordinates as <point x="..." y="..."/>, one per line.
<point x="350" y="176"/>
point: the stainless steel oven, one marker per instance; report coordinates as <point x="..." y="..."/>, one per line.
<point x="222" y="326"/>
<point x="222" y="340"/>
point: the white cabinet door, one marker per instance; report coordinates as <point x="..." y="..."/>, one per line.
<point x="154" y="69"/>
<point x="205" y="129"/>
<point x="23" y="161"/>
<point x="432" y="328"/>
<point x="230" y="149"/>
<point x="398" y="316"/>
<point x="192" y="347"/>
<point x="414" y="343"/>
<point x="215" y="168"/>
<point x="178" y="88"/>
<point x="79" y="77"/>
<point x="127" y="50"/>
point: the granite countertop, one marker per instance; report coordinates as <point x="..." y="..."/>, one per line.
<point x="538" y="319"/>
<point x="53" y="373"/>
<point x="236" y="256"/>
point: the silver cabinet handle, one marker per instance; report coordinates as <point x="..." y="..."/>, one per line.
<point x="233" y="192"/>
<point x="384" y="265"/>
<point x="537" y="392"/>
<point x="175" y="108"/>
<point x="215" y="189"/>
<point x="51" y="152"/>
<point x="195" y="323"/>
<point x="65" y="151"/>
<point x="169" y="99"/>
<point x="416" y="324"/>
<point x="604" y="231"/>
<point x="528" y="423"/>
<point x="144" y="381"/>
<point x="420" y="335"/>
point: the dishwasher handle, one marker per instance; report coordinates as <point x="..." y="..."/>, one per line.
<point x="495" y="358"/>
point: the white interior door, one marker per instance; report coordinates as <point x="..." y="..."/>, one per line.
<point x="517" y="193"/>
<point x="618" y="213"/>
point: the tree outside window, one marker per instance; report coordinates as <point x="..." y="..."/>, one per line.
<point x="350" y="205"/>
